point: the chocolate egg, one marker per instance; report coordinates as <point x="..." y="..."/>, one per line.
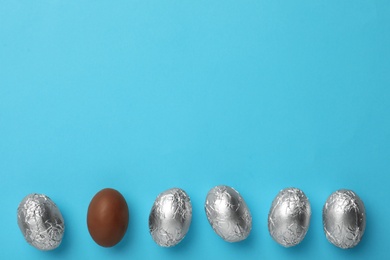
<point x="344" y="219"/>
<point x="108" y="217"/>
<point x="289" y="217"/>
<point x="41" y="222"/>
<point x="170" y="217"/>
<point x="228" y="213"/>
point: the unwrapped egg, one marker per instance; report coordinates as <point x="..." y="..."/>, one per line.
<point x="107" y="217"/>
<point x="289" y="217"/>
<point x="41" y="222"/>
<point x="170" y="217"/>
<point x="344" y="219"/>
<point x="228" y="213"/>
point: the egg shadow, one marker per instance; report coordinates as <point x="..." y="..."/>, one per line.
<point x="62" y="248"/>
<point x="186" y="243"/>
<point x="182" y="249"/>
<point x="356" y="251"/>
<point x="248" y="244"/>
<point x="125" y="242"/>
<point x="302" y="248"/>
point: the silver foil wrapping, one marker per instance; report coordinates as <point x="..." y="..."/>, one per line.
<point x="289" y="217"/>
<point x="344" y="219"/>
<point x="170" y="217"/>
<point x="228" y="213"/>
<point x="41" y="222"/>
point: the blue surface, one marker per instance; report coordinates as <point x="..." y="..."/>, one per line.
<point x="143" y="96"/>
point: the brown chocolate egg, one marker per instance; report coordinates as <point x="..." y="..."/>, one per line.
<point x="108" y="217"/>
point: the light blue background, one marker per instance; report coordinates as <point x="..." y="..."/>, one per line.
<point x="142" y="96"/>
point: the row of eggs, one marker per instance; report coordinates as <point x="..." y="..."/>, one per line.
<point x="344" y="217"/>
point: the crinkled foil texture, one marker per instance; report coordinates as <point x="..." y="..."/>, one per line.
<point x="344" y="219"/>
<point x="170" y="217"/>
<point x="289" y="217"/>
<point x="41" y="222"/>
<point x="228" y="213"/>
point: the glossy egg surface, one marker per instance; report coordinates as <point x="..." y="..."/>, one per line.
<point x="107" y="217"/>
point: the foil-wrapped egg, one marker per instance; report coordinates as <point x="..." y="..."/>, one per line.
<point x="289" y="217"/>
<point x="344" y="219"/>
<point x="41" y="222"/>
<point x="228" y="213"/>
<point x="170" y="217"/>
